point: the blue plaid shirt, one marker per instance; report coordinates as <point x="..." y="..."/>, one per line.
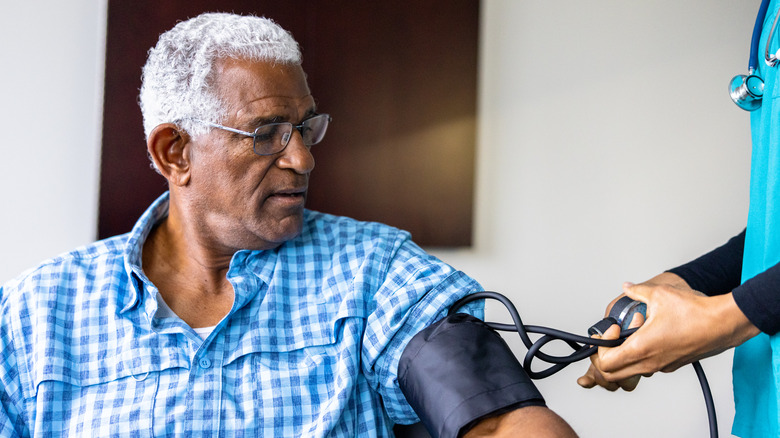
<point x="310" y="347"/>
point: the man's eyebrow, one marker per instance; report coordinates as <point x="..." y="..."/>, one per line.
<point x="264" y="120"/>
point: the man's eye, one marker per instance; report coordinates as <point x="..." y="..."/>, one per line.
<point x="266" y="133"/>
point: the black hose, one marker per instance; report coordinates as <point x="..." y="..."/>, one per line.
<point x="583" y="347"/>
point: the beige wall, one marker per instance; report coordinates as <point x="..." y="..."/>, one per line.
<point x="608" y="150"/>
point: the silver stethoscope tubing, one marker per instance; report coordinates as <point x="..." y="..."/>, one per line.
<point x="748" y="90"/>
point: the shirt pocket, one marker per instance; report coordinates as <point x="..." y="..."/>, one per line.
<point x="311" y="385"/>
<point x="322" y="352"/>
<point x="91" y="396"/>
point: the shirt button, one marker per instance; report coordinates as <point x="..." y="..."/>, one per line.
<point x="204" y="363"/>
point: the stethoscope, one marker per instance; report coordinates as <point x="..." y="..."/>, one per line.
<point x="747" y="90"/>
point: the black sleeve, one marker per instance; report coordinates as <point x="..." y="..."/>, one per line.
<point x="759" y="300"/>
<point x="720" y="271"/>
<point x="717" y="272"/>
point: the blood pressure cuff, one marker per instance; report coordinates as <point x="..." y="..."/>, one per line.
<point x="459" y="371"/>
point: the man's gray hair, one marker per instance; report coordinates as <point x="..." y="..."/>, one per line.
<point x="178" y="78"/>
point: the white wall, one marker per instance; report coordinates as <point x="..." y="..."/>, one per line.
<point x="608" y="151"/>
<point x="51" y="83"/>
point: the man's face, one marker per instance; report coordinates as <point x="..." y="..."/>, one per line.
<point x="243" y="200"/>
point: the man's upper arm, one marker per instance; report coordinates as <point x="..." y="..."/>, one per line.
<point x="417" y="291"/>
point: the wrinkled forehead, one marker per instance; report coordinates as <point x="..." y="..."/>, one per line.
<point x="246" y="86"/>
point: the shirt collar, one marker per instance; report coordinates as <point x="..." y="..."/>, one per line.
<point x="260" y="263"/>
<point x="134" y="248"/>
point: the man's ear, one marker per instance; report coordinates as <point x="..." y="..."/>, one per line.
<point x="169" y="149"/>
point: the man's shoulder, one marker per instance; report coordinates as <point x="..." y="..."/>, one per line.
<point x="332" y="227"/>
<point x="81" y="262"/>
<point x="54" y="312"/>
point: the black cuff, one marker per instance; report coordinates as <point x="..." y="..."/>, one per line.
<point x="459" y="371"/>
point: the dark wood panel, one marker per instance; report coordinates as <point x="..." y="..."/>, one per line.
<point x="399" y="79"/>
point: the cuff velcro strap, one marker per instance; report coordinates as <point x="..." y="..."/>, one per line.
<point x="459" y="371"/>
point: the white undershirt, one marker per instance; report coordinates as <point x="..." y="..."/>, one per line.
<point x="164" y="311"/>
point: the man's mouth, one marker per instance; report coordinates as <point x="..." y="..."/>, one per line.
<point x="290" y="193"/>
<point x="296" y="195"/>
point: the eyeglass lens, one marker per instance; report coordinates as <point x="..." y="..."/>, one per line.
<point x="273" y="137"/>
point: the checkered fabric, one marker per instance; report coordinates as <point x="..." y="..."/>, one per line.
<point x="310" y="347"/>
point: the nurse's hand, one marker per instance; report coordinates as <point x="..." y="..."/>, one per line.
<point x="593" y="376"/>
<point x="682" y="326"/>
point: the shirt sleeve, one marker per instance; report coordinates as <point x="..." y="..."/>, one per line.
<point x="717" y="272"/>
<point x="11" y="420"/>
<point x="417" y="291"/>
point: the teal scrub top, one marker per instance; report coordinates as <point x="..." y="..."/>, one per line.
<point x="756" y="367"/>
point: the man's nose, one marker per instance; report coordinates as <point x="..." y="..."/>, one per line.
<point x="296" y="156"/>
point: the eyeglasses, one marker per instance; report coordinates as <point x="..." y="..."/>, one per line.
<point x="272" y="138"/>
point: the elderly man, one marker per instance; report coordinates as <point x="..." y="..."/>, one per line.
<point x="229" y="309"/>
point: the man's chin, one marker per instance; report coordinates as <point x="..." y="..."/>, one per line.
<point x="280" y="232"/>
